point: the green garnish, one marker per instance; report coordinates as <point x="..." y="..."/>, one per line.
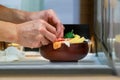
<point x="69" y="35"/>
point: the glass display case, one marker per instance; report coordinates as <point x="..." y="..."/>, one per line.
<point x="115" y="33"/>
<point x="107" y="30"/>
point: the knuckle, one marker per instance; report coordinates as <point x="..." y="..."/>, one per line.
<point x="40" y="21"/>
<point x="50" y="10"/>
<point x="42" y="30"/>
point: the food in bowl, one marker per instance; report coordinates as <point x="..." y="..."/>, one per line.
<point x="68" y="41"/>
<point x="66" y="49"/>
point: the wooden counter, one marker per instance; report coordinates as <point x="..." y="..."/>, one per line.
<point x="59" y="77"/>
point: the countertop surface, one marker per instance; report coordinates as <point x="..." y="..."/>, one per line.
<point x="59" y="77"/>
<point x="88" y="67"/>
<point x="38" y="65"/>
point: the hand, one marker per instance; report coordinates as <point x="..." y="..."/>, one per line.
<point x="35" y="33"/>
<point x="50" y="17"/>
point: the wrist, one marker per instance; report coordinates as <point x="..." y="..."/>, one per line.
<point x="13" y="36"/>
<point x="8" y="33"/>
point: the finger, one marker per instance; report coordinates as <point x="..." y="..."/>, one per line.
<point x="48" y="35"/>
<point x="61" y="34"/>
<point x="43" y="40"/>
<point x="52" y="15"/>
<point x="60" y="30"/>
<point x="50" y="28"/>
<point x="53" y="20"/>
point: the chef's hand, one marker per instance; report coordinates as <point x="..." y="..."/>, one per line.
<point x="50" y="17"/>
<point x="35" y="33"/>
<point x="34" y="29"/>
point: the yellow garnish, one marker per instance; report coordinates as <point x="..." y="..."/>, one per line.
<point x="77" y="39"/>
<point x="56" y="45"/>
<point x="76" y="36"/>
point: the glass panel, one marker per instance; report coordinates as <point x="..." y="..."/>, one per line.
<point x="116" y="28"/>
<point x="98" y="30"/>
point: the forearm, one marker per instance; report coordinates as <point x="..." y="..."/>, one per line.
<point x="12" y="15"/>
<point x="8" y="31"/>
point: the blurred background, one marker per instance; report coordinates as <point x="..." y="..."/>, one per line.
<point x="67" y="10"/>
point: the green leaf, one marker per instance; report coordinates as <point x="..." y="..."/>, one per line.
<point x="69" y="35"/>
